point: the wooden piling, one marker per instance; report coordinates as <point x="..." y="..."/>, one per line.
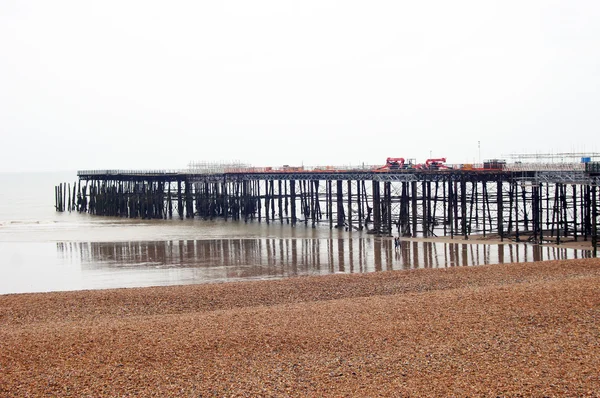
<point x="280" y="201"/>
<point x="462" y="202"/>
<point x="293" y="201"/>
<point x="387" y="195"/>
<point x="424" y="208"/>
<point x="594" y="222"/>
<point x="376" y="207"/>
<point x="349" y="194"/>
<point x="340" y="204"/>
<point x="451" y="201"/>
<point x="463" y="208"/>
<point x="574" y="196"/>
<point x="413" y="196"/>
<point x="359" y="205"/>
<point x="330" y="203"/>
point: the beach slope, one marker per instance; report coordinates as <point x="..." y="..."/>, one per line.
<point x="530" y="329"/>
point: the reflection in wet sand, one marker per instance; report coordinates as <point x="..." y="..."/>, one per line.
<point x="217" y="260"/>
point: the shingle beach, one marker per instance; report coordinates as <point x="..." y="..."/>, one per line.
<point x="529" y="329"/>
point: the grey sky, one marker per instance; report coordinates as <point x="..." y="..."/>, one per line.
<point x="146" y="84"/>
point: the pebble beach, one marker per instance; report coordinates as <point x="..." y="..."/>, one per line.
<point x="521" y="329"/>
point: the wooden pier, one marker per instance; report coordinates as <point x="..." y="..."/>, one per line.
<point x="521" y="203"/>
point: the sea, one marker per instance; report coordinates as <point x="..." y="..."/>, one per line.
<point x="43" y="250"/>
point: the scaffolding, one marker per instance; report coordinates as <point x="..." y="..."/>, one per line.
<point x="202" y="167"/>
<point x="561" y="157"/>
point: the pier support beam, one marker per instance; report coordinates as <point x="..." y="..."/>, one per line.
<point x="594" y="222"/>
<point x="340" y="205"/>
<point x="376" y="207"/>
<point x="528" y="207"/>
<point x="293" y="201"/>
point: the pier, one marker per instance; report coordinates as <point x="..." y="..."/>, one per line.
<point x="524" y="202"/>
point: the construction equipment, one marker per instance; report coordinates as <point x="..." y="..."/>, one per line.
<point x="436" y="164"/>
<point x="392" y="164"/>
<point x="433" y="164"/>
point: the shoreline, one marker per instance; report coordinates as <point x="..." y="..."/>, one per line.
<point x="502" y="330"/>
<point x="494" y="239"/>
<point x="289" y="258"/>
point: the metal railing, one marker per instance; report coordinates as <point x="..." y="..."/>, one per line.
<point x="545" y="167"/>
<point x="235" y="169"/>
<point x="129" y="172"/>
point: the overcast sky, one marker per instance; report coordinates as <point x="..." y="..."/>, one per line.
<point x="148" y="84"/>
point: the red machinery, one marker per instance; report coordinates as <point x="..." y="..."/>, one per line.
<point x="392" y="164"/>
<point x="433" y="164"/>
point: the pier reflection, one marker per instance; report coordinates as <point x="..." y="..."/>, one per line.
<point x="203" y="261"/>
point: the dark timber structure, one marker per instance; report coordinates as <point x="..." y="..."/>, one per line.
<point x="524" y="205"/>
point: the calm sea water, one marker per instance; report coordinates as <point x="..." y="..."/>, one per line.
<point x="42" y="250"/>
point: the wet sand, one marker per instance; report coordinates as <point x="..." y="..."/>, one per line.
<point x="530" y="329"/>
<point x="494" y="239"/>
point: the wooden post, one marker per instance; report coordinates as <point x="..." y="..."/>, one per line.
<point x="293" y="201"/>
<point x="313" y="204"/>
<point x="574" y="189"/>
<point x="286" y="200"/>
<point x="318" y="213"/>
<point x="484" y="201"/>
<point x="516" y="201"/>
<point x="258" y="200"/>
<point x="525" y="216"/>
<point x="267" y="201"/>
<point x="433" y="208"/>
<point x="280" y="201"/>
<point x="340" y="205"/>
<point x="404" y="211"/>
<point x="272" y="195"/>
<point x="451" y="195"/>
<point x="74" y="203"/>
<point x="350" y="205"/>
<point x="474" y="203"/>
<point x="189" y="200"/>
<point x="594" y="222"/>
<point x="455" y="206"/>
<point x="510" y="207"/>
<point x="548" y="207"/>
<point x="179" y="200"/>
<point x="387" y="190"/>
<point x="245" y="202"/>
<point x="563" y="198"/>
<point x="585" y="211"/>
<point x="534" y="212"/>
<point x="556" y="213"/>
<point x="413" y="186"/>
<point x="376" y="207"/>
<point x="463" y="207"/>
<point x="425" y="207"/>
<point x="330" y="203"/>
<point x="540" y="222"/>
<point x="444" y="207"/>
<point x="359" y="204"/>
<point x="64" y="196"/>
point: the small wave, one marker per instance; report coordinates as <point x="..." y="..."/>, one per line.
<point x="29" y="222"/>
